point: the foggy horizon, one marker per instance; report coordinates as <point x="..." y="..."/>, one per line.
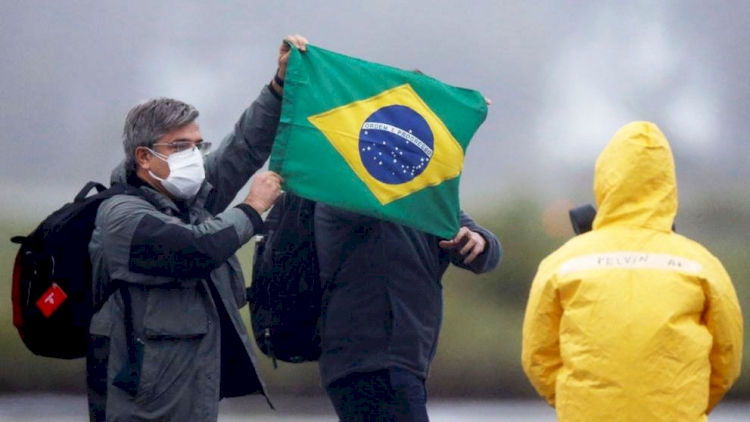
<point x="563" y="77"/>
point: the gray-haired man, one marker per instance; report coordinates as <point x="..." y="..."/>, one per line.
<point x="169" y="343"/>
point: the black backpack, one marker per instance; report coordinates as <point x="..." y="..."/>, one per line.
<point x="286" y="292"/>
<point x="52" y="302"/>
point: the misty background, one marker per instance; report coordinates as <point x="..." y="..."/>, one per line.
<point x="563" y="76"/>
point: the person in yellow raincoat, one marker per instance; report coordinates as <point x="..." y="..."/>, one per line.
<point x="632" y="321"/>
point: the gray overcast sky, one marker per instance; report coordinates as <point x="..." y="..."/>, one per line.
<point x="563" y="77"/>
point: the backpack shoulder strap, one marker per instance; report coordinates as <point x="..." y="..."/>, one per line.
<point x="87" y="188"/>
<point x="125" y="189"/>
<point x="129" y="377"/>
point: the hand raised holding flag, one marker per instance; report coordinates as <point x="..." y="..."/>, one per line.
<point x="297" y="41"/>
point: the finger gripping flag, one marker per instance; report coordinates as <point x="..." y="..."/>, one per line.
<point x="375" y="139"/>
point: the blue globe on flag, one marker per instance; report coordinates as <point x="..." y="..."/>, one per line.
<point x="395" y="144"/>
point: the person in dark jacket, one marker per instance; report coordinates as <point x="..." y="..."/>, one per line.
<point x="383" y="308"/>
<point x="169" y="343"/>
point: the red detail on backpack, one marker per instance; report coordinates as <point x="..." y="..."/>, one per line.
<point x="51" y="300"/>
<point x="16" y="295"/>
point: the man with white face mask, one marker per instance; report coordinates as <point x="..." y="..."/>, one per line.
<point x="186" y="172"/>
<point x="169" y="342"/>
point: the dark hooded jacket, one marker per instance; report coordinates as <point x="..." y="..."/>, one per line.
<point x="384" y="297"/>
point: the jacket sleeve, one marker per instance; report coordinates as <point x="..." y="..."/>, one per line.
<point x="139" y="240"/>
<point x="724" y="321"/>
<point x="488" y="259"/>
<point x="540" y="354"/>
<point x="243" y="151"/>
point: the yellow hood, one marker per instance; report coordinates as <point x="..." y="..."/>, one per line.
<point x="634" y="181"/>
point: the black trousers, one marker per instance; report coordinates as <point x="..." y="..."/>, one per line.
<point x="96" y="377"/>
<point x="391" y="394"/>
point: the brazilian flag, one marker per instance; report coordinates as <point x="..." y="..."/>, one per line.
<point x="374" y="139"/>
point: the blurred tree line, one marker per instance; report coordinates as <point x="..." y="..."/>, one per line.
<point x="479" y="353"/>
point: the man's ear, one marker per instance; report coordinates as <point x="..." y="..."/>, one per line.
<point x="143" y="158"/>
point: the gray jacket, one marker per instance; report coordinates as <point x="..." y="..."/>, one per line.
<point x="177" y="261"/>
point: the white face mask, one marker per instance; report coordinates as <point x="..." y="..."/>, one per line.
<point x="186" y="173"/>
